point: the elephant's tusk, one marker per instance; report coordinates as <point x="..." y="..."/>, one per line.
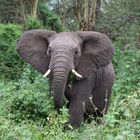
<point x="77" y="74"/>
<point x="47" y="73"/>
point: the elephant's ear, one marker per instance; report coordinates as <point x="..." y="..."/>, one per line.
<point x="97" y="51"/>
<point x="32" y="47"/>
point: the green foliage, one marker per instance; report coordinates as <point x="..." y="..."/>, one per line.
<point x="26" y="112"/>
<point x="33" y="23"/>
<point x="49" y="19"/>
<point x="117" y="17"/>
<point x="11" y="65"/>
<point x="46" y="19"/>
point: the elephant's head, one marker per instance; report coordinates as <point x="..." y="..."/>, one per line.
<point x="59" y="53"/>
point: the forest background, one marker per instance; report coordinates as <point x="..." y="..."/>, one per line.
<point x="26" y="110"/>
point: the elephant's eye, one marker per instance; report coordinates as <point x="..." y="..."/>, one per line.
<point x="49" y="51"/>
<point x="76" y="51"/>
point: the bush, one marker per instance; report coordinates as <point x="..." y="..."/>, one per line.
<point x="46" y="19"/>
<point x="27" y="112"/>
<point x="33" y="23"/>
<point x="117" y="18"/>
<point x="49" y="19"/>
<point x="11" y="65"/>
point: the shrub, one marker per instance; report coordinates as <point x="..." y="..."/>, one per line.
<point x="11" y="65"/>
<point x="33" y="23"/>
<point x="49" y="19"/>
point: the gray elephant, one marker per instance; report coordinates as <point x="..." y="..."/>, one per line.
<point x="78" y="65"/>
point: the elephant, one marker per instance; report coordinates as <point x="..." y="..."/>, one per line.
<point x="78" y="66"/>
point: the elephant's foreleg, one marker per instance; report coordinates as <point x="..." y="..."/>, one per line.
<point x="80" y="94"/>
<point x="76" y="110"/>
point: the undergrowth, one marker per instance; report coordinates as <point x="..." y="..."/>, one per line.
<point x="26" y="107"/>
<point x="27" y="111"/>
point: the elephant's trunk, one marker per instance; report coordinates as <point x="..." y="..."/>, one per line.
<point x="59" y="83"/>
<point x="60" y="72"/>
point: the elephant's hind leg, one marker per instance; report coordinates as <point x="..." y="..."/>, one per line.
<point x="101" y="94"/>
<point x="100" y="101"/>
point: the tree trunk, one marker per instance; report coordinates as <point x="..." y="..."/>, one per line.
<point x="98" y="7"/>
<point x="34" y="8"/>
<point x="63" y="12"/>
<point x="23" y="11"/>
<point x="85" y="12"/>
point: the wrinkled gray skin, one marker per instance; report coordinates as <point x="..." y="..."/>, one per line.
<point x="89" y="53"/>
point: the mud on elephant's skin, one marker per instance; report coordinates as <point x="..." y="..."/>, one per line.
<point x="86" y="54"/>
